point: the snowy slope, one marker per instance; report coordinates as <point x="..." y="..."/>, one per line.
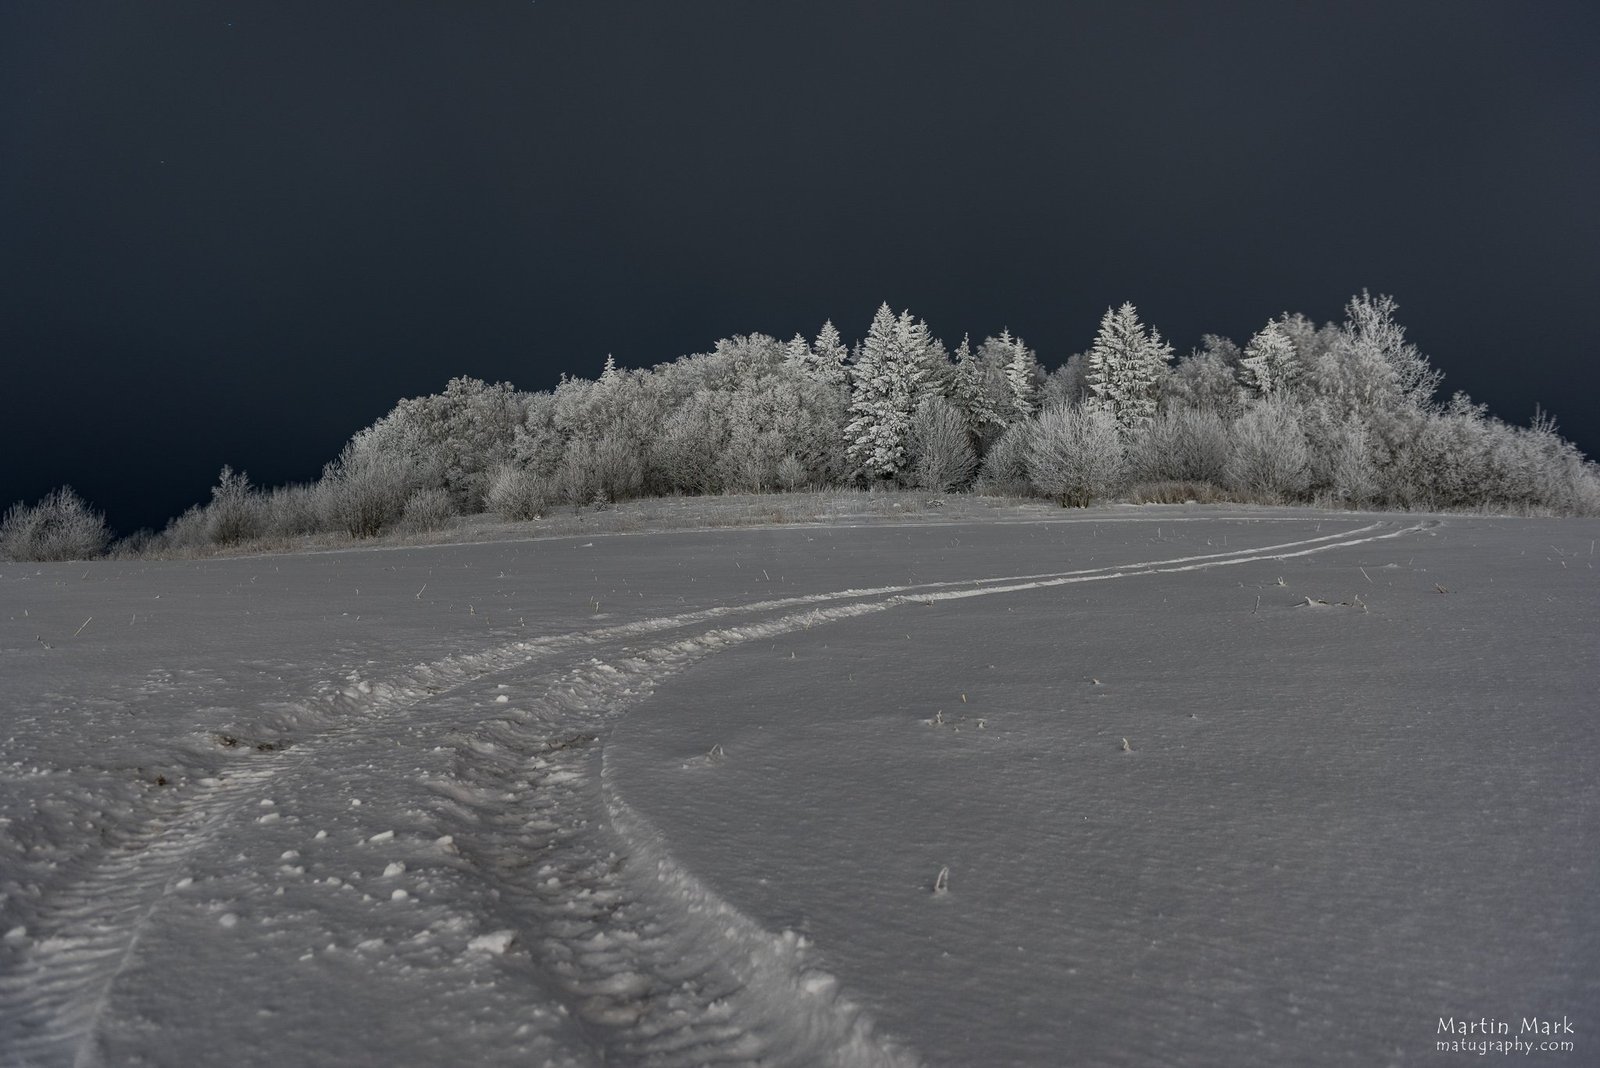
<point x="460" y="804"/>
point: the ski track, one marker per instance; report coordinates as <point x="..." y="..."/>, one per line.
<point x="660" y="970"/>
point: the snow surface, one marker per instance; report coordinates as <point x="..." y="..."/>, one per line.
<point x="1210" y="786"/>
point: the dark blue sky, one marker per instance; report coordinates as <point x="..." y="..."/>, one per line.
<point x="238" y="232"/>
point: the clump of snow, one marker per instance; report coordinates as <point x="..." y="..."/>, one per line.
<point x="495" y="942"/>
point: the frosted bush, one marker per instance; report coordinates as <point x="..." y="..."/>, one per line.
<point x="518" y="493"/>
<point x="365" y="491"/>
<point x="62" y="526"/>
<point x="1005" y="465"/>
<point x="942" y="450"/>
<point x="294" y="510"/>
<point x="1076" y="455"/>
<point x="609" y="469"/>
<point x="236" y="513"/>
<point x="428" y="509"/>
<point x="1269" y="457"/>
<point x="1181" y="445"/>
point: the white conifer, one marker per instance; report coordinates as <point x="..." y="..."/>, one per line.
<point x="797" y="354"/>
<point x="1125" y="367"/>
<point x="1021" y="377"/>
<point x="830" y="356"/>
<point x="1270" y="365"/>
<point x="886" y="383"/>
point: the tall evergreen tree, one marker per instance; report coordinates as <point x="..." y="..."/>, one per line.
<point x="1269" y="365"/>
<point x="797" y="354"/>
<point x="886" y="384"/>
<point x="830" y="357"/>
<point x="1125" y="367"/>
<point x="1022" y="377"/>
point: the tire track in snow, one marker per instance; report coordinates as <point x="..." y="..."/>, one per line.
<point x="84" y="933"/>
<point x="666" y="972"/>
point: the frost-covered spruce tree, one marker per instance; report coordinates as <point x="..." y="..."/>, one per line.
<point x="885" y="387"/>
<point x="829" y="357"/>
<point x="797" y="354"/>
<point x="1269" y="366"/>
<point x="1022" y="377"/>
<point x="1126" y="363"/>
<point x="979" y="389"/>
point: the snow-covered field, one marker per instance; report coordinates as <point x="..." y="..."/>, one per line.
<point x="1207" y="786"/>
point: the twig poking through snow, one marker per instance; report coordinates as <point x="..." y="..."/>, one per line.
<point x="85" y="624"/>
<point x="1126" y="748"/>
<point x="941" y="882"/>
<point x="716" y="753"/>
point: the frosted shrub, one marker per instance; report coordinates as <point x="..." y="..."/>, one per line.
<point x="1005" y="465"/>
<point x="236" y="513"/>
<point x="609" y="469"/>
<point x="1269" y="458"/>
<point x="428" y="509"/>
<point x="294" y="510"/>
<point x="365" y="491"/>
<point x="62" y="526"/>
<point x="1076" y="455"/>
<point x="517" y="493"/>
<point x="1181" y="445"/>
<point x="791" y="473"/>
<point x="1344" y="469"/>
<point x="944" y="459"/>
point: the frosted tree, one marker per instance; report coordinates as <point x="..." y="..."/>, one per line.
<point x="886" y="384"/>
<point x="830" y="356"/>
<point x="1370" y="367"/>
<point x="1269" y="366"/>
<point x="797" y="354"/>
<point x="1022" y="373"/>
<point x="974" y="388"/>
<point x="62" y="526"/>
<point x="609" y="373"/>
<point x="1125" y="367"/>
<point x="1075" y="454"/>
<point x="943" y="459"/>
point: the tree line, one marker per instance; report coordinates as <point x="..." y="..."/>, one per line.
<point x="1344" y="414"/>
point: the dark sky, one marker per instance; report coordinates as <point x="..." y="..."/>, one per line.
<point x="238" y="232"/>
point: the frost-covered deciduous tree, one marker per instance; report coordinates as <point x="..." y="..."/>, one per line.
<point x="1181" y="445"/>
<point x="1204" y="380"/>
<point x="1067" y="384"/>
<point x="1125" y="367"/>
<point x="1269" y="458"/>
<point x="61" y="526"/>
<point x="943" y="458"/>
<point x="1076" y="454"/>
<point x="1005" y="465"/>
<point x="457" y="435"/>
<point x="518" y="493"/>
<point x="1370" y="367"/>
<point x="235" y="513"/>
